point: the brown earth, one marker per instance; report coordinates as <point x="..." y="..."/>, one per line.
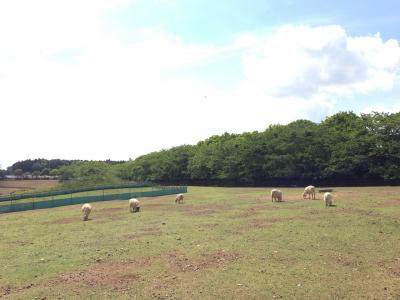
<point x="4" y="291"/>
<point x="392" y="266"/>
<point x="11" y="186"/>
<point x="116" y="275"/>
<point x="350" y="262"/>
<point x="22" y="243"/>
<point x="180" y="263"/>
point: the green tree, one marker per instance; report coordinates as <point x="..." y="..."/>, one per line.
<point x="18" y="172"/>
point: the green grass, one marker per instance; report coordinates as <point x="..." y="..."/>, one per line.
<point x="222" y="243"/>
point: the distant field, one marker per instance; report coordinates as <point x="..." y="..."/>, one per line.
<point x="222" y="243"/>
<point x="19" y="186"/>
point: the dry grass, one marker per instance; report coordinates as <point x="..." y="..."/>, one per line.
<point x="223" y="243"/>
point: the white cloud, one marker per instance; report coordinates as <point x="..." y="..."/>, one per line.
<point x="388" y="108"/>
<point x="306" y="62"/>
<point x="71" y="89"/>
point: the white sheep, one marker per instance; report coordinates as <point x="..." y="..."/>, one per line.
<point x="86" y="209"/>
<point x="134" y="205"/>
<point x="276" y="195"/>
<point x="328" y="199"/>
<point x="179" y="198"/>
<point x="310" y="191"/>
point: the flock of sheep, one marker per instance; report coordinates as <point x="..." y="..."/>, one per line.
<point x="309" y="191"/>
<point x="276" y="195"/>
<point x="134" y="206"/>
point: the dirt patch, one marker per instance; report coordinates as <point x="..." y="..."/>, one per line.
<point x="259" y="224"/>
<point x="350" y="262"/>
<point x="266" y="223"/>
<point x="151" y="231"/>
<point x="201" y="210"/>
<point x="180" y="263"/>
<point x="251" y="211"/>
<point x="359" y="211"/>
<point x="389" y="203"/>
<point x="22" y="243"/>
<point x="10" y="186"/>
<point x="392" y="266"/>
<point x="4" y="291"/>
<point x="211" y="225"/>
<point x="116" y="275"/>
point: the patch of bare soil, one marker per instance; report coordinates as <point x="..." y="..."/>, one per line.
<point x="258" y="224"/>
<point x="7" y="191"/>
<point x="22" y="243"/>
<point x="359" y="211"/>
<point x="150" y="231"/>
<point x="9" y="186"/>
<point x="392" y="266"/>
<point x="200" y="210"/>
<point x="210" y="225"/>
<point x="4" y="291"/>
<point x="350" y="262"/>
<point x="266" y="223"/>
<point x="388" y="203"/>
<point x="116" y="275"/>
<point x="180" y="263"/>
<point x="254" y="210"/>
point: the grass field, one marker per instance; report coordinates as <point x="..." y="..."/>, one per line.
<point x="222" y="243"/>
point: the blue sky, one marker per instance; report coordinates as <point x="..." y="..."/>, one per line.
<point x="101" y="79"/>
<point x="219" y="21"/>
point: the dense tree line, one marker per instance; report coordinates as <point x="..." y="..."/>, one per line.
<point x="344" y="149"/>
<point x="43" y="166"/>
<point x="46" y="166"/>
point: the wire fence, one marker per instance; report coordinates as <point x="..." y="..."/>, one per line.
<point x="35" y="203"/>
<point x="78" y="190"/>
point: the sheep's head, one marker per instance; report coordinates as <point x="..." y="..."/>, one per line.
<point x="304" y="195"/>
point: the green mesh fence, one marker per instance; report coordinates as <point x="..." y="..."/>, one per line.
<point x="72" y="191"/>
<point x="14" y="206"/>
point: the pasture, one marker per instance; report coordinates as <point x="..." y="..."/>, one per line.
<point x="222" y="243"/>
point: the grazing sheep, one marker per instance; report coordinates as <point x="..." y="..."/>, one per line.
<point x="310" y="191"/>
<point x="276" y="195"/>
<point x="179" y="198"/>
<point x="328" y="199"/>
<point x="86" y="209"/>
<point x="134" y="205"/>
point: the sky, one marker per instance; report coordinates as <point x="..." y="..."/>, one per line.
<point x="100" y="79"/>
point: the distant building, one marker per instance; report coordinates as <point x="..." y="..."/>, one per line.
<point x="30" y="177"/>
